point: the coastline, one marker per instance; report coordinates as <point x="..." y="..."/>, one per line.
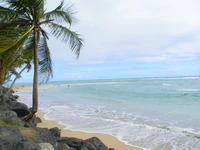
<point x="108" y="140"/>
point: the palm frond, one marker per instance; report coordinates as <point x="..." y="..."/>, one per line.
<point x="29" y="8"/>
<point x="6" y="13"/>
<point x="61" y="14"/>
<point x="74" y="40"/>
<point x="13" y="39"/>
<point x="28" y="47"/>
<point x="7" y="24"/>
<point x="45" y="62"/>
<point x="19" y="7"/>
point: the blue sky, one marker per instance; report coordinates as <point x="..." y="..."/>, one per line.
<point x="130" y="38"/>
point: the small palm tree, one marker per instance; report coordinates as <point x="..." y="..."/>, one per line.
<point x="22" y="23"/>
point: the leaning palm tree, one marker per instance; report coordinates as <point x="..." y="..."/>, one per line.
<point x="22" y="23"/>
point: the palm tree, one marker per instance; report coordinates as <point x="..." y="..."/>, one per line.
<point x="22" y="23"/>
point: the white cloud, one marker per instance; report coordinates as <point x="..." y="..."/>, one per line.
<point x="148" y="31"/>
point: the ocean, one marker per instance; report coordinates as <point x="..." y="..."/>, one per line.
<point x="151" y="113"/>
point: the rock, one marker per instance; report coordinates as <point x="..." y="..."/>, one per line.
<point x="6" y="113"/>
<point x="55" y="132"/>
<point x="94" y="144"/>
<point x="33" y="121"/>
<point x="20" y="108"/>
<point x="16" y="97"/>
<point x="79" y="144"/>
<point x="46" y="146"/>
<point x="36" y="120"/>
<point x="12" y="139"/>
<point x="18" y="121"/>
<point x="13" y="98"/>
<point x="5" y="90"/>
<point x="45" y="136"/>
<point x="62" y="146"/>
<point x="72" y="142"/>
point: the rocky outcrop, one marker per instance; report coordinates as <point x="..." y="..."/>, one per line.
<point x="45" y="136"/>
<point x="94" y="144"/>
<point x="55" y="132"/>
<point x="20" y="108"/>
<point x="12" y="139"/>
<point x="90" y="144"/>
<point x="71" y="142"/>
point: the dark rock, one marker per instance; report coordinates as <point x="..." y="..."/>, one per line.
<point x="79" y="144"/>
<point x="16" y="97"/>
<point x="12" y="139"/>
<point x="71" y="142"/>
<point x="5" y="131"/>
<point x="13" y="98"/>
<point x="6" y="113"/>
<point x="55" y="132"/>
<point x="94" y="144"/>
<point x="45" y="136"/>
<point x="5" y="90"/>
<point x="17" y="121"/>
<point x="33" y="121"/>
<point x="62" y="146"/>
<point x="20" y="108"/>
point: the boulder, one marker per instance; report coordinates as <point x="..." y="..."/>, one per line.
<point x="20" y="108"/>
<point x="93" y="144"/>
<point x="13" y="98"/>
<point x="36" y="120"/>
<point x="55" y="132"/>
<point x="45" y="136"/>
<point x="71" y="142"/>
<point x="6" y="113"/>
<point x="46" y="146"/>
<point x="32" y="122"/>
<point x="63" y="146"/>
<point x="5" y="90"/>
<point x="90" y="144"/>
<point x="12" y="139"/>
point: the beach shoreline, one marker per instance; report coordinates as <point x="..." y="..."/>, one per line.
<point x="108" y="140"/>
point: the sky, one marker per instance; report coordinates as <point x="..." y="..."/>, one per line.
<point x="130" y="39"/>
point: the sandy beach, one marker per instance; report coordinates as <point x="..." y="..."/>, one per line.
<point x="108" y="140"/>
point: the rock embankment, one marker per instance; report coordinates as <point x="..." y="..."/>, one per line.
<point x="17" y="134"/>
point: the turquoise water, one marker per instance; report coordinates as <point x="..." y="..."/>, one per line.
<point x="153" y="113"/>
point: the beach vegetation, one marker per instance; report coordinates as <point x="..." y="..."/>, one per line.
<point x="29" y="133"/>
<point x="22" y="28"/>
<point x="7" y="121"/>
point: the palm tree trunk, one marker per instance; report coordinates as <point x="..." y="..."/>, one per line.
<point x="1" y="80"/>
<point x="35" y="78"/>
